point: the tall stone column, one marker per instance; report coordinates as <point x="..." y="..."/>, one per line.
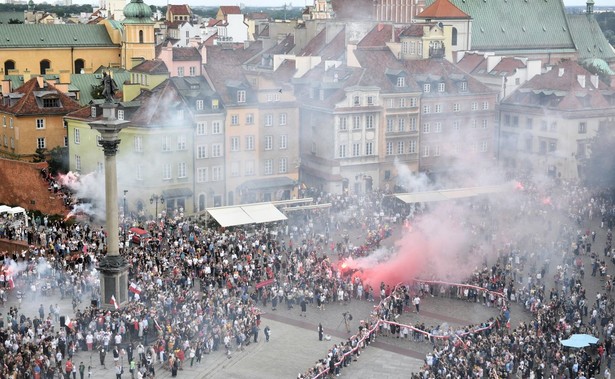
<point x="113" y="267"/>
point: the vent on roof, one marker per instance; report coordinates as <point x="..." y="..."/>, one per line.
<point x="544" y="28"/>
<point x="523" y="28"/>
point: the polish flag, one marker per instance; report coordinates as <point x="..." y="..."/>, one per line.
<point x="69" y="323"/>
<point x="134" y="288"/>
<point x="113" y="302"/>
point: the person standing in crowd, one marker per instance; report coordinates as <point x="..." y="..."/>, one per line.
<point x="320" y="332"/>
<point x="119" y="370"/>
<point x="81" y="370"/>
<point x="417" y="303"/>
<point x="267" y="333"/>
<point x="102" y="355"/>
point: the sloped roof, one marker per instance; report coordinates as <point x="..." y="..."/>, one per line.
<point x="54" y="35"/>
<point x="182" y="9"/>
<point x="470" y="62"/>
<point x="5" y="17"/>
<point x="35" y="195"/>
<point x="158" y="106"/>
<point x="443" y="9"/>
<point x="152" y="67"/>
<point x="318" y="46"/>
<point x="517" y="25"/>
<point x="589" y="39"/>
<point x="414" y="30"/>
<point x="378" y="36"/>
<point x="186" y="54"/>
<point x="508" y="65"/>
<point x="85" y="83"/>
<point x="230" y="9"/>
<point x="31" y="102"/>
<point x="285" y="46"/>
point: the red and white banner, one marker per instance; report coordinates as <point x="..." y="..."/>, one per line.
<point x="113" y="302"/>
<point x="264" y="283"/>
<point x="134" y="288"/>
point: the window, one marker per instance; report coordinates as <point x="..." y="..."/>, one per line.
<point x="401" y="81"/>
<point x="282" y="165"/>
<point x="216" y="150"/>
<point x="180" y="71"/>
<point x="426" y="109"/>
<point x="77" y="162"/>
<point x="216" y="173"/>
<point x="4" y="121"/>
<point x="389" y="148"/>
<point x="77" y="136"/>
<point x="485" y="124"/>
<point x="390" y="123"/>
<point x="507" y="120"/>
<point x="235" y="170"/>
<point x="413" y="102"/>
<point x="250" y="168"/>
<point x="120" y="114"/>
<point x="51" y="103"/>
<point x="437" y="127"/>
<point x="269" y="97"/>
<point x="483" y="146"/>
<point x="234" y="119"/>
<point x="269" y="119"/>
<point x="552" y="146"/>
<point x="139" y="172"/>
<point x="441" y="87"/>
<point x="438" y="108"/>
<point x="40" y="123"/>
<point x="343" y="123"/>
<point x="356" y="101"/>
<point x="543" y="125"/>
<point x="282" y="119"/>
<point x="201" y="128"/>
<point x="426" y="87"/>
<point x="401" y="124"/>
<point x="181" y="142"/>
<point x="65" y="141"/>
<point x="413" y="124"/>
<point x="402" y="102"/>
<point x="249" y="142"/>
<point x="400" y="147"/>
<point x="202" y="174"/>
<point x="283" y="142"/>
<point x="268" y="167"/>
<point x="356" y="122"/>
<point x="369" y="148"/>
<point x="456" y="125"/>
<point x="138" y="144"/>
<point x="166" y="143"/>
<point x="181" y="170"/>
<point x="166" y="171"/>
<point x="250" y="119"/>
<point x="582" y="127"/>
<point x="485" y="105"/>
<point x="515" y="121"/>
<point x="370" y="100"/>
<point x="356" y="149"/>
<point x="11" y="123"/>
<point x="201" y="152"/>
<point x="474" y="105"/>
<point x="473" y="124"/>
<point x="241" y="96"/>
<point x="425" y="151"/>
<point x="412" y="47"/>
<point x="192" y="71"/>
<point x="456" y="107"/>
<point x="215" y="103"/>
<point x="463" y="86"/>
<point x="369" y="122"/>
<point x="6" y="141"/>
<point x="412" y="146"/>
<point x="199" y="105"/>
<point x="268" y="142"/>
<point x="426" y="127"/>
<point x="341" y="151"/>
<point x="234" y="143"/>
<point x="436" y="151"/>
<point x="216" y="127"/>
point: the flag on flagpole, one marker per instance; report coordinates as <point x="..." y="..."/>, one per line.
<point x="113" y="302"/>
<point x="157" y="326"/>
<point x="134" y="288"/>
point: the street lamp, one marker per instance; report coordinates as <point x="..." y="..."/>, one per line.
<point x="154" y="199"/>
<point x="124" y="212"/>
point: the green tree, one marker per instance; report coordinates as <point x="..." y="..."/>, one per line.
<point x="58" y="160"/>
<point x="598" y="171"/>
<point x="15" y="21"/>
<point x="40" y="155"/>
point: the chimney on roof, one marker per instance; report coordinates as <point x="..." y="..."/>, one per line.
<point x="595" y="79"/>
<point x="64" y="76"/>
<point x="581" y="80"/>
<point x="27" y="75"/>
<point x="41" y="82"/>
<point x="203" y="54"/>
<point x="560" y="72"/>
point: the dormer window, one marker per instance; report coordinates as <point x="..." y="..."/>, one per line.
<point x="215" y="104"/>
<point x="356" y="101"/>
<point x="426" y="87"/>
<point x="241" y="96"/>
<point x="463" y="86"/>
<point x="401" y="81"/>
<point x="93" y="112"/>
<point x="199" y="105"/>
<point x="120" y="114"/>
<point x="441" y="87"/>
<point x="51" y="102"/>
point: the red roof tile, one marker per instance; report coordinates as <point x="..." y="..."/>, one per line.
<point x="182" y="9"/>
<point x="230" y="9"/>
<point x="508" y="65"/>
<point x="470" y="62"/>
<point x="186" y="54"/>
<point x="377" y="37"/>
<point x="32" y="100"/>
<point x="443" y="9"/>
<point x="151" y="66"/>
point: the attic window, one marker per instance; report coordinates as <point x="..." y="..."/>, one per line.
<point x="401" y="81"/>
<point x="426" y="87"/>
<point x="441" y="87"/>
<point x="463" y="86"/>
<point x="215" y="104"/>
<point x="51" y="102"/>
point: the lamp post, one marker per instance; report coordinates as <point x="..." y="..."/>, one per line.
<point x="154" y="199"/>
<point x="125" y="212"/>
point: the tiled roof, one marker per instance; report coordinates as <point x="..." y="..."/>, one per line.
<point x="517" y="25"/>
<point x="34" y="195"/>
<point x="318" y="46"/>
<point x="589" y="39"/>
<point x="285" y="46"/>
<point x="264" y="31"/>
<point x="508" y="66"/>
<point x="443" y="9"/>
<point x="179" y="9"/>
<point x="52" y="35"/>
<point x="186" y="54"/>
<point x="414" y="30"/>
<point x="31" y="103"/>
<point x="230" y="9"/>
<point x="158" y="107"/>
<point x="152" y="66"/>
<point x="559" y="89"/>
<point x="470" y="62"/>
<point x="377" y="37"/>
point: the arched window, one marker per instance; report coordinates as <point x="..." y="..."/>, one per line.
<point x="454" y="37"/>
<point x="79" y="65"/>
<point x="140" y="36"/>
<point x="45" y="65"/>
<point x="9" y="65"/>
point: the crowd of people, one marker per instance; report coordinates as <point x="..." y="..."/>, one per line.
<point x="201" y="291"/>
